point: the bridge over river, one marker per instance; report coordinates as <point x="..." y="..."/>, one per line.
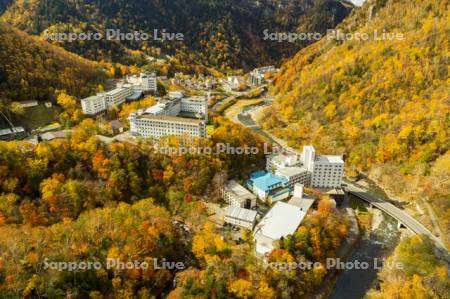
<point x="400" y="215"/>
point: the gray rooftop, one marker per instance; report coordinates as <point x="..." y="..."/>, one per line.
<point x="238" y="190"/>
<point x="290" y="171"/>
<point x="240" y="213"/>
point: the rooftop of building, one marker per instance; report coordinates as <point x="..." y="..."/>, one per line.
<point x="11" y="131"/>
<point x="135" y="96"/>
<point x="240" y="213"/>
<point x="291" y="171"/>
<point x="282" y="220"/>
<point x="239" y="190"/>
<point x="156" y="109"/>
<point x="195" y="99"/>
<point x="116" y="124"/>
<point x="115" y="91"/>
<point x="91" y="98"/>
<point x="166" y="118"/>
<point x="329" y="159"/>
<point x="303" y="203"/>
<point x="265" y="181"/>
<point x="286" y="159"/>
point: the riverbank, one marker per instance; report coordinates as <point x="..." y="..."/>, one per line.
<point x="415" y="209"/>
<point x="343" y="253"/>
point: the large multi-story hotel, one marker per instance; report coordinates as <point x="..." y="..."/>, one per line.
<point x="93" y="105"/>
<point x="144" y="82"/>
<point x="134" y="87"/>
<point x="309" y="169"/>
<point x="167" y="118"/>
<point x="157" y="126"/>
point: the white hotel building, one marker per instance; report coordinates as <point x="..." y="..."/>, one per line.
<point x="116" y="97"/>
<point x="144" y="82"/>
<point x="157" y="126"/>
<point x="104" y="100"/>
<point x="163" y="119"/>
<point x="93" y="105"/>
<point x="308" y="169"/>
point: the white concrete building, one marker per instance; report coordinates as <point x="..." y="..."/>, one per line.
<point x="236" y="195"/>
<point x="256" y="78"/>
<point x="117" y="96"/>
<point x="327" y="172"/>
<point x="281" y="221"/>
<point x="157" y="126"/>
<point x="282" y="160"/>
<point x="197" y="104"/>
<point x="146" y="82"/>
<point x="308" y="169"/>
<point x="104" y="100"/>
<point x="167" y="118"/>
<point x="295" y="175"/>
<point x="308" y="157"/>
<point x="174" y="95"/>
<point x="240" y="217"/>
<point x="93" y="105"/>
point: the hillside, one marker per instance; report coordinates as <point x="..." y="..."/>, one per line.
<point x="385" y="104"/>
<point x="3" y="5"/>
<point x="216" y="32"/>
<point x="32" y="69"/>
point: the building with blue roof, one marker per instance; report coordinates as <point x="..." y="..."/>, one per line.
<point x="268" y="186"/>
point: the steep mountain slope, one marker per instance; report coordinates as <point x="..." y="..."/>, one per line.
<point x="386" y="104"/>
<point x="32" y="69"/>
<point x="221" y="33"/>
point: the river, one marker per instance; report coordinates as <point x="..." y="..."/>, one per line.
<point x="377" y="244"/>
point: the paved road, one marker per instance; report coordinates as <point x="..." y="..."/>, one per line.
<point x="397" y="213"/>
<point x="400" y="215"/>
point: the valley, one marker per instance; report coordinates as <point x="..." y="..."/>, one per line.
<point x="224" y="149"/>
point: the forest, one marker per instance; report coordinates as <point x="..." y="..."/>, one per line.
<point x="81" y="200"/>
<point x="222" y="34"/>
<point x="32" y="69"/>
<point x="385" y="105"/>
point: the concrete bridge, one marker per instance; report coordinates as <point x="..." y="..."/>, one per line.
<point x="403" y="218"/>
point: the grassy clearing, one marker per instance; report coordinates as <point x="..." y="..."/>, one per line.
<point x="232" y="111"/>
<point x="39" y="116"/>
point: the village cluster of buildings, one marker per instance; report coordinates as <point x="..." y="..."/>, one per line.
<point x="175" y="115"/>
<point x="199" y="83"/>
<point x="257" y="76"/>
<point x="130" y="89"/>
<point x="286" y="176"/>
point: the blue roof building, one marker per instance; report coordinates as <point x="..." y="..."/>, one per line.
<point x="268" y="186"/>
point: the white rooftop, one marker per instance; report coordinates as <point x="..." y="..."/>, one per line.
<point x="115" y="91"/>
<point x="239" y="190"/>
<point x="156" y="109"/>
<point x="240" y="213"/>
<point x="282" y="220"/>
<point x="329" y="159"/>
<point x="290" y="171"/>
<point x="91" y="98"/>
<point x="303" y="203"/>
<point x="196" y="99"/>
